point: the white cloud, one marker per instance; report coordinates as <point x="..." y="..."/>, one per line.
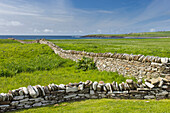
<point x="48" y="31"/>
<point x="152" y="30"/>
<point x="10" y="23"/>
<point x="36" y="31"/>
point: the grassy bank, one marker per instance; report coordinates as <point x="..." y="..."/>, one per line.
<point x="153" y="47"/>
<point x="106" y="106"/>
<point x="144" y="34"/>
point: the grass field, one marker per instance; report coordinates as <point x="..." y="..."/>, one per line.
<point x="143" y="34"/>
<point x="32" y="64"/>
<point x="153" y="47"/>
<point x="106" y="106"/>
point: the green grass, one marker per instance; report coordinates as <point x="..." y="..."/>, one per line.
<point x="32" y="64"/>
<point x="152" y="47"/>
<point x="144" y="34"/>
<point x="106" y="106"/>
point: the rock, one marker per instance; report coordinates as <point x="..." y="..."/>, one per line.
<point x="95" y="86"/>
<point x="24" y="90"/>
<point x="31" y="91"/>
<point x="140" y="81"/>
<point x="120" y="87"/>
<point x="149" y="97"/>
<point x="18" y="97"/>
<point x="154" y="81"/>
<point x="81" y="87"/>
<point x="129" y="81"/>
<point x="14" y="103"/>
<point x="21" y="92"/>
<point x="5" y="103"/>
<point x="61" y="87"/>
<point x="70" y="96"/>
<point x="37" y="104"/>
<point x="71" y="89"/>
<point x="1" y="97"/>
<point x="108" y="86"/>
<point x="46" y="90"/>
<point x="149" y="85"/>
<point x="37" y="92"/>
<point x="41" y="90"/>
<point x="164" y="60"/>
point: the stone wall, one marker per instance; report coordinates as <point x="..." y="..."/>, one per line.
<point x="125" y="64"/>
<point x="34" y="96"/>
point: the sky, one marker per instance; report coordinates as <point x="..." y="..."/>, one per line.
<point x="80" y="17"/>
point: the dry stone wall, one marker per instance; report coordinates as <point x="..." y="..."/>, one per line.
<point x="125" y="64"/>
<point x="35" y="96"/>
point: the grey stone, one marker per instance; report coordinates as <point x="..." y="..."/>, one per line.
<point x="24" y="90"/>
<point x="71" y="89"/>
<point x="70" y="96"/>
<point x="32" y="92"/>
<point x="149" y="85"/>
<point x="37" y="92"/>
<point x="108" y="86"/>
<point x="129" y="81"/>
<point x="95" y="86"/>
<point x="37" y="104"/>
<point x="81" y="87"/>
<point x="62" y="87"/>
<point x="18" y="97"/>
<point x="14" y="103"/>
<point x="41" y="88"/>
<point x="149" y="97"/>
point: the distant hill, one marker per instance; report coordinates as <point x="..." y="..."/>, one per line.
<point x="143" y="34"/>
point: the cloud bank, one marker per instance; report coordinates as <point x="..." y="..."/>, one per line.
<point x="62" y="17"/>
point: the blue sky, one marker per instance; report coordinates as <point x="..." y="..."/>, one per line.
<point x="79" y="17"/>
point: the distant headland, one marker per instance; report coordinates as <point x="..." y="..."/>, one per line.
<point x="159" y="34"/>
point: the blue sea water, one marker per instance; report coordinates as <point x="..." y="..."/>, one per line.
<point x="33" y="37"/>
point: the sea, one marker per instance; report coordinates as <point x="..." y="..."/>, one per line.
<point x="33" y="37"/>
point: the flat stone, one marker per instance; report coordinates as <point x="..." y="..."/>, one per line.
<point x="24" y="100"/>
<point x="5" y="102"/>
<point x="71" y="89"/>
<point x="41" y="89"/>
<point x="164" y="60"/>
<point x="143" y="89"/>
<point x="140" y="81"/>
<point x="4" y="106"/>
<point x="149" y="97"/>
<point x="32" y="91"/>
<point x="81" y="87"/>
<point x="37" y="104"/>
<point x="149" y="85"/>
<point x="37" y="92"/>
<point x="14" y="103"/>
<point x="108" y="86"/>
<point x="154" y="81"/>
<point x="95" y="86"/>
<point x="61" y="87"/>
<point x="129" y="81"/>
<point x="25" y="90"/>
<point x="70" y="96"/>
<point x="18" y="97"/>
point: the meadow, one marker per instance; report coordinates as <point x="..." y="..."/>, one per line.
<point x="152" y="47"/>
<point x="32" y="64"/>
<point x="143" y="34"/>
